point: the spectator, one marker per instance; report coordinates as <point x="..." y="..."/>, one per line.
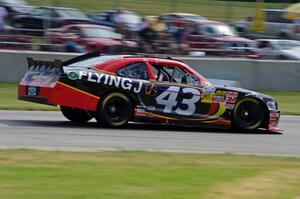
<point x="162" y="36"/>
<point x="147" y="37"/>
<point x="3" y="14"/>
<point x="119" y="21"/>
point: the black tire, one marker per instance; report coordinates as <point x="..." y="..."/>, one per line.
<point x="115" y="110"/>
<point x="75" y="115"/>
<point x="248" y="115"/>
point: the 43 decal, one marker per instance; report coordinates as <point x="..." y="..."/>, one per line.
<point x="169" y="100"/>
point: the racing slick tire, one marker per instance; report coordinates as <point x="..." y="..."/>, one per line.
<point x="115" y="110"/>
<point x="75" y="114"/>
<point x="248" y="115"/>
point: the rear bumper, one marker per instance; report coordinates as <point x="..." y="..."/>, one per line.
<point x="60" y="94"/>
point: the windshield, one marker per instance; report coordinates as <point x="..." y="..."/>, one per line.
<point x="72" y="14"/>
<point x="288" y="44"/>
<point x="19" y="2"/>
<point x="223" y="30"/>
<point x="101" y="33"/>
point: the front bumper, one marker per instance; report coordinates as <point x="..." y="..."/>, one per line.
<point x="274" y="121"/>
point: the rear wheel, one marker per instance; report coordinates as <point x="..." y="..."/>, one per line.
<point x="248" y="115"/>
<point x="115" y="110"/>
<point x="75" y="114"/>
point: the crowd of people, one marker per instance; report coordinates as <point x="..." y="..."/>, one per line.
<point x="156" y="36"/>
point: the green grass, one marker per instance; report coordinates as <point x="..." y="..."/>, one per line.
<point x="9" y="100"/>
<point x="134" y="175"/>
<point x="288" y="101"/>
<point x="217" y="10"/>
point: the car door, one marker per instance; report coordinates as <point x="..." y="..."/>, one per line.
<point x="175" y="97"/>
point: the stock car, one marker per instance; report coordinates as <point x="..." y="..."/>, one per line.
<point x="118" y="89"/>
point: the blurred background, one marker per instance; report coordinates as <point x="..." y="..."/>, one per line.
<point x="241" y="28"/>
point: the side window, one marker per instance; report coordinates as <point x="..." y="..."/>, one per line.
<point x="135" y="70"/>
<point x="174" y="75"/>
<point x="37" y="12"/>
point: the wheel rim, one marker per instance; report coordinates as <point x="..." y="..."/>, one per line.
<point x="116" y="110"/>
<point x="248" y="114"/>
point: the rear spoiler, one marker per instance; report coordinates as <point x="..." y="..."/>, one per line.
<point x="82" y="58"/>
<point x="44" y="66"/>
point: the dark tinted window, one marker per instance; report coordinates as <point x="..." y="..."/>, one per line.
<point x="135" y="70"/>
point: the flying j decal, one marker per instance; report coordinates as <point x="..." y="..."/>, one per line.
<point x="101" y="78"/>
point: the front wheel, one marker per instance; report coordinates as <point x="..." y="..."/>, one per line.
<point x="75" y="114"/>
<point x="115" y="110"/>
<point x="248" y="115"/>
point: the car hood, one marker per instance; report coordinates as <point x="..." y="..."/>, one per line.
<point x="292" y="53"/>
<point x="246" y="92"/>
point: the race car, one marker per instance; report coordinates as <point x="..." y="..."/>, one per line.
<point x="118" y="89"/>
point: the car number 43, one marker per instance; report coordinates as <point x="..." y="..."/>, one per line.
<point x="168" y="99"/>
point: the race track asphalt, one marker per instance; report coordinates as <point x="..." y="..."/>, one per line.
<point x="51" y="131"/>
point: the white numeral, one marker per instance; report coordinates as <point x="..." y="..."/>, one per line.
<point x="189" y="102"/>
<point x="171" y="95"/>
<point x="168" y="99"/>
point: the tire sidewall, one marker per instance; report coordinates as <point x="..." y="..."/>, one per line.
<point x="102" y="116"/>
<point x="252" y="127"/>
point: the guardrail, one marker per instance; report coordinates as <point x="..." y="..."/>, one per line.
<point x="251" y="74"/>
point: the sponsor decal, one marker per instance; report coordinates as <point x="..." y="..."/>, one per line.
<point x="206" y="98"/>
<point x="274" y="115"/>
<point x="209" y="89"/>
<point x="271" y="105"/>
<point x="221" y="93"/>
<point x="150" y="108"/>
<point x="231" y="97"/>
<point x="253" y="94"/>
<point x="72" y="75"/>
<point x="151" y="89"/>
<point x="140" y="110"/>
<point x="218" y="99"/>
<point x="229" y="106"/>
<point x="32" y="91"/>
<point x="101" y="78"/>
<point x="212" y="98"/>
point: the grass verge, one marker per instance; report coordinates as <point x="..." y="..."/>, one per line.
<point x="288" y="101"/>
<point x="109" y="175"/>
